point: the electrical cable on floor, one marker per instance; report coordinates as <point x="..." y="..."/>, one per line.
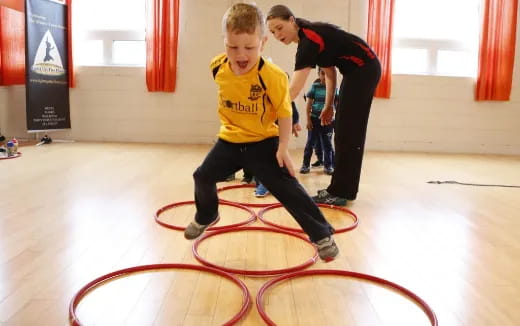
<point x="472" y="184"/>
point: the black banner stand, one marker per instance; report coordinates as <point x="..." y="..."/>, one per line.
<point x="46" y="62"/>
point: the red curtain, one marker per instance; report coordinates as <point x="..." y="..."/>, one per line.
<point x="13" y="4"/>
<point x="162" y="36"/>
<point x="379" y="37"/>
<point x="12" y="47"/>
<point x="497" y="50"/>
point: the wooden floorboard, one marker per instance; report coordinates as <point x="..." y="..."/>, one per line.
<point x="71" y="212"/>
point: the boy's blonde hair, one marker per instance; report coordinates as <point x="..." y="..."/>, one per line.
<point x="243" y="18"/>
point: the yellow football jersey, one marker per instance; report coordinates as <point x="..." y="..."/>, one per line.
<point x="249" y="104"/>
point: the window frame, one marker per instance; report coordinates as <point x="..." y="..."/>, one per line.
<point x="433" y="46"/>
<point x="108" y="37"/>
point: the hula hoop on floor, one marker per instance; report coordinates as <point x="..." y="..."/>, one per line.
<point x="304" y="265"/>
<point x="161" y="210"/>
<point x="379" y="281"/>
<point x="17" y="155"/>
<point x="243" y="204"/>
<point x="354" y="224"/>
<point x="123" y="272"/>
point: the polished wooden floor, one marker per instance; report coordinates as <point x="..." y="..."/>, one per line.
<point x="70" y="212"/>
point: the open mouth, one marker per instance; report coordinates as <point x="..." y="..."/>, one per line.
<point x="242" y="64"/>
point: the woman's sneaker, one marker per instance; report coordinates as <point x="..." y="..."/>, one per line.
<point x="305" y="169"/>
<point x="194" y="229"/>
<point x="329" y="171"/>
<point x="261" y="191"/>
<point x="327" y="249"/>
<point x="324" y="197"/>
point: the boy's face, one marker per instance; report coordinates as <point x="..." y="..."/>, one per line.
<point x="243" y="50"/>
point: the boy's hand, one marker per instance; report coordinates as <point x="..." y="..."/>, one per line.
<point x="296" y="128"/>
<point x="284" y="159"/>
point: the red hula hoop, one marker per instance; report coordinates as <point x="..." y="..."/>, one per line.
<point x="98" y="281"/>
<point x="422" y="304"/>
<point x="18" y="154"/>
<point x="354" y="224"/>
<point x="161" y="210"/>
<point x="243" y="204"/>
<point x="304" y="265"/>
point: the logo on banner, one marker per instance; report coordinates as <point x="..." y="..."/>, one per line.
<point x="48" y="60"/>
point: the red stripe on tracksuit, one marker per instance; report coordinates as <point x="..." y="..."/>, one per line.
<point x="315" y="37"/>
<point x="354" y="59"/>
<point x="366" y="49"/>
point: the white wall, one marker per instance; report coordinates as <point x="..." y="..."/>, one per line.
<point x="425" y="113"/>
<point x="12" y="111"/>
<point x="3" y="109"/>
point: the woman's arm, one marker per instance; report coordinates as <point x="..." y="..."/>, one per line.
<point x="296" y="128"/>
<point x="330" y="84"/>
<point x="298" y="80"/>
<point x="309" y="109"/>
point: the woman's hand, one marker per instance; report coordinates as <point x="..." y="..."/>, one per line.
<point x="326" y="115"/>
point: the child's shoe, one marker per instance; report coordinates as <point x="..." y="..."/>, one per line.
<point x="324" y="197"/>
<point x="194" y="229"/>
<point x="317" y="164"/>
<point x="327" y="248"/>
<point x="261" y="190"/>
<point x="305" y="169"/>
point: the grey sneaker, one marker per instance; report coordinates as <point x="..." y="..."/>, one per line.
<point x="194" y="229"/>
<point x="327" y="249"/>
<point x="305" y="169"/>
<point x="324" y="197"/>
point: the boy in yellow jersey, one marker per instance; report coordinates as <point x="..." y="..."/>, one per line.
<point x="252" y="94"/>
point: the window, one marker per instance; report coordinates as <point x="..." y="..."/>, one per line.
<point x="438" y="37"/>
<point x="109" y="32"/>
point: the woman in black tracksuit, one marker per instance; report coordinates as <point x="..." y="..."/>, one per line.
<point x="327" y="46"/>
